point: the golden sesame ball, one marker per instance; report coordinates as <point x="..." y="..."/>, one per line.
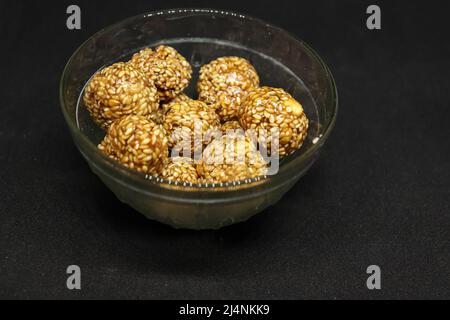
<point x="268" y="108"/>
<point x="137" y="143"/>
<point x="179" y="98"/>
<point x="168" y="69"/>
<point x="159" y="115"/>
<point x="232" y="125"/>
<point x="233" y="157"/>
<point x="224" y="83"/>
<point x="180" y="170"/>
<point x="117" y="91"/>
<point x="186" y="119"/>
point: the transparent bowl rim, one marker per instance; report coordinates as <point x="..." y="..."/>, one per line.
<point x="203" y="187"/>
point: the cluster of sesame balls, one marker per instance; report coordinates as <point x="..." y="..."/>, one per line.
<point x="141" y="105"/>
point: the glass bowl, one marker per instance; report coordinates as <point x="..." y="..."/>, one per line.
<point x="202" y="35"/>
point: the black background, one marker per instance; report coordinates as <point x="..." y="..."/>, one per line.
<point x="379" y="194"/>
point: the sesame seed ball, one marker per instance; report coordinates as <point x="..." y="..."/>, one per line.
<point x="180" y="170"/>
<point x="233" y="157"/>
<point x="224" y="83"/>
<point x="159" y="115"/>
<point x="117" y="91"/>
<point x="168" y="69"/>
<point x="179" y="98"/>
<point x="137" y="143"/>
<point x="185" y="118"/>
<point x="232" y="125"/>
<point x="268" y="108"/>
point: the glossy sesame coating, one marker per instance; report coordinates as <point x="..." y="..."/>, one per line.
<point x="233" y="157"/>
<point x="268" y="109"/>
<point x="159" y="115"/>
<point x="224" y="83"/>
<point x="168" y="69"/>
<point x="180" y="170"/>
<point x="117" y="91"/>
<point x="179" y="98"/>
<point x="232" y="125"/>
<point x="137" y="143"/>
<point x="189" y="120"/>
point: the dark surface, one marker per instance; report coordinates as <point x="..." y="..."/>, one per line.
<point x="379" y="194"/>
